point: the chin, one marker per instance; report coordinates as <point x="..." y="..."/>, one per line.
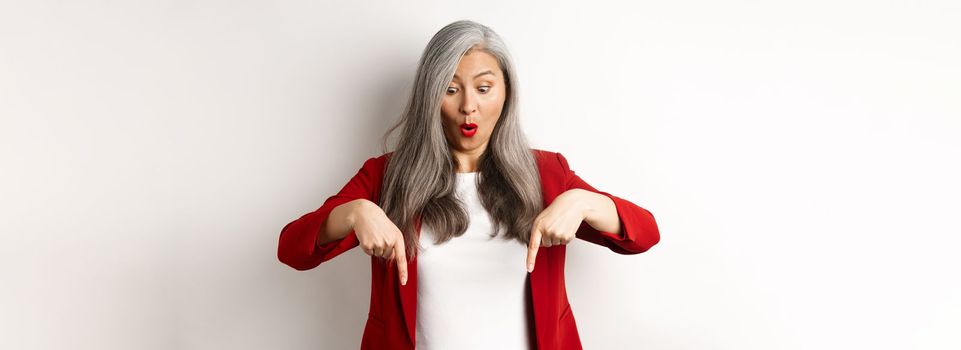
<point x="466" y="145"/>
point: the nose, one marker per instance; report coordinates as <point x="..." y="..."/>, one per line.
<point x="468" y="105"/>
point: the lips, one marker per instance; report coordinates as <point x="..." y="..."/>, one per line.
<point x="468" y="129"/>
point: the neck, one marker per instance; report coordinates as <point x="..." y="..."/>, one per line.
<point x="467" y="161"/>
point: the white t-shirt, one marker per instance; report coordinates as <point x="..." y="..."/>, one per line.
<point x="471" y="290"/>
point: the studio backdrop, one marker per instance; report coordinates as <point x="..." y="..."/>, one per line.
<point x="800" y="159"/>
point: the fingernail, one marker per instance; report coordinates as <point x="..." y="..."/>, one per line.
<point x="530" y="267"/>
<point x="403" y="280"/>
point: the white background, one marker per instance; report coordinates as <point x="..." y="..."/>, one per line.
<point x="801" y="160"/>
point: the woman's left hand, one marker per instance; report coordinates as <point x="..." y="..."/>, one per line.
<point x="558" y="223"/>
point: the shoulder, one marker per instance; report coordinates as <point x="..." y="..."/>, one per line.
<point x="550" y="159"/>
<point x="542" y="154"/>
<point x="383" y="157"/>
<point x="375" y="165"/>
<point x="551" y="164"/>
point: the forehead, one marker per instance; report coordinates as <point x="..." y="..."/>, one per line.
<point x="475" y="62"/>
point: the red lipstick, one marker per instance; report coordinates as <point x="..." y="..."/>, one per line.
<point x="468" y="129"/>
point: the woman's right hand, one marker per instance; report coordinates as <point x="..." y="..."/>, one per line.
<point x="378" y="236"/>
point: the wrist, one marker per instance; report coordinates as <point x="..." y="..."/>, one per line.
<point x="583" y="201"/>
<point x="590" y="204"/>
<point x="358" y="208"/>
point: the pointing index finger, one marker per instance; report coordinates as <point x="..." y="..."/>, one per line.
<point x="532" y="249"/>
<point x="400" y="252"/>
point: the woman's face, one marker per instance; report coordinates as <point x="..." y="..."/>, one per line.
<point x="475" y="95"/>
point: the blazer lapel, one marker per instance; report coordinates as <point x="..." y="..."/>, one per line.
<point x="408" y="293"/>
<point x="540" y="296"/>
<point x="540" y="282"/>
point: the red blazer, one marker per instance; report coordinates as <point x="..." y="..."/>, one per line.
<point x="391" y="317"/>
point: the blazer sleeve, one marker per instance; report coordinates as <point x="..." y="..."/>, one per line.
<point x="298" y="246"/>
<point x="639" y="231"/>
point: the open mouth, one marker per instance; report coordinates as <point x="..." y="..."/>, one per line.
<point x="468" y="129"/>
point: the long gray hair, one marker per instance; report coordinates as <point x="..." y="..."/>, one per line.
<point x="420" y="176"/>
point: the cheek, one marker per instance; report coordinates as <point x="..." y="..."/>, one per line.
<point x="494" y="106"/>
<point x="447" y="111"/>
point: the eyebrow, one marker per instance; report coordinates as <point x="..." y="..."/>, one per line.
<point x="478" y="74"/>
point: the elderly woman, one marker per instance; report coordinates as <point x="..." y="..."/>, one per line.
<point x="466" y="225"/>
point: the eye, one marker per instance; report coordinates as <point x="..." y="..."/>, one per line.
<point x="451" y="90"/>
<point x="485" y="89"/>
